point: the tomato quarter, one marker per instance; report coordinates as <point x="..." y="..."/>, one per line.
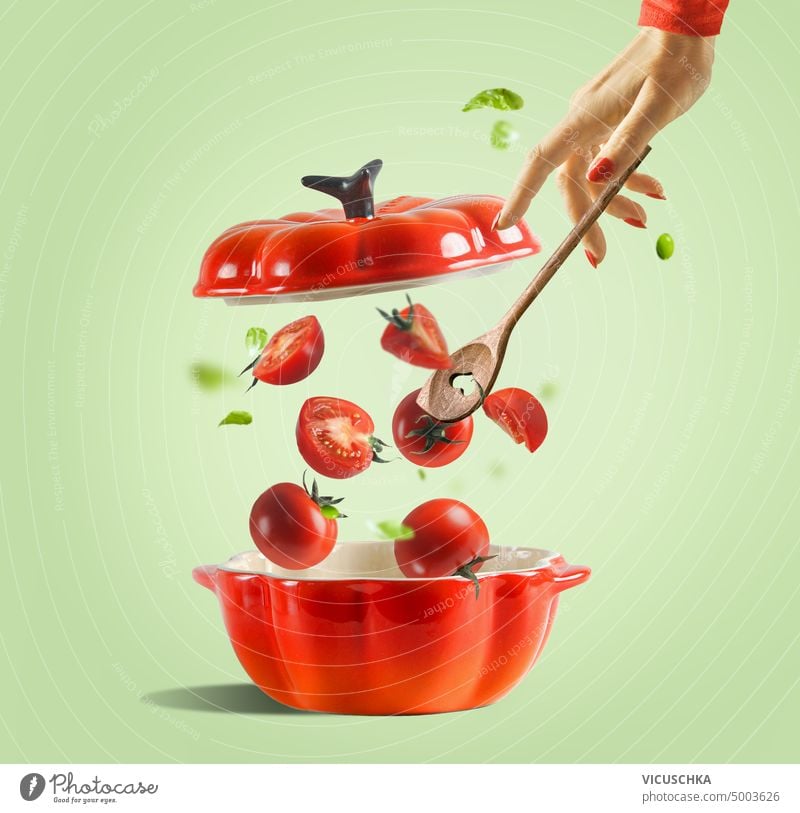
<point x="414" y="336"/>
<point x="424" y="441"/>
<point x="335" y="437"/>
<point x="293" y="528"/>
<point x="520" y="414"/>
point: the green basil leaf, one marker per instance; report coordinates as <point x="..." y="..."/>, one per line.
<point x="238" y="417"/>
<point x="256" y="340"/>
<point x="210" y="377"/>
<point x="503" y="135"/>
<point x="497" y="98"/>
<point x="394" y="530"/>
<point x="421" y="474"/>
<point x="330" y="512"/>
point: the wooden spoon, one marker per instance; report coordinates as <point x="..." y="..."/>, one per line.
<point x="482" y="357"/>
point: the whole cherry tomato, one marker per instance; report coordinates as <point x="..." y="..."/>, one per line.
<point x="414" y="336"/>
<point x="520" y="414"/>
<point x="335" y="437"/>
<point x="423" y="440"/>
<point x="292" y="527"/>
<point x="447" y="539"/>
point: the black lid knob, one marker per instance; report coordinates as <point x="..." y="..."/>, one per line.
<point x="355" y="192"/>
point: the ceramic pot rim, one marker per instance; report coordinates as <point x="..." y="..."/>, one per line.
<point x="338" y="566"/>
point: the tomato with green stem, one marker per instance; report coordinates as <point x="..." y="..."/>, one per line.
<point x="447" y="538"/>
<point x="335" y="437"/>
<point x="291" y="354"/>
<point x="519" y="414"/>
<point x="414" y="336"/>
<point x="423" y="440"/>
<point x="294" y="527"/>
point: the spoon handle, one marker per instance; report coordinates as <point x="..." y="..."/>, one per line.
<point x="558" y="257"/>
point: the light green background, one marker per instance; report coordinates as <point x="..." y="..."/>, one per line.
<point x="672" y="461"/>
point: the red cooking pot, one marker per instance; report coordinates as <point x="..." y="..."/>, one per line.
<point x="330" y="253"/>
<point x="355" y="636"/>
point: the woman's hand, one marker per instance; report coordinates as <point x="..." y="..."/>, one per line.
<point x="658" y="77"/>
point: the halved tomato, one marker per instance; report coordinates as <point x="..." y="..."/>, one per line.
<point x="335" y="437"/>
<point x="414" y="336"/>
<point x="292" y="354"/>
<point x="520" y="414"/>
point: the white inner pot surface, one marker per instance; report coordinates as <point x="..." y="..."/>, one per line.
<point x="375" y="560"/>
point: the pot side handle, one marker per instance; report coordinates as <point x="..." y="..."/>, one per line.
<point x="205" y="575"/>
<point x="566" y="576"/>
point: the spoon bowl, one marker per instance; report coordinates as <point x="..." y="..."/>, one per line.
<point x="446" y="402"/>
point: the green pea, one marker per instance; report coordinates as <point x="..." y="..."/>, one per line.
<point x="665" y="246"/>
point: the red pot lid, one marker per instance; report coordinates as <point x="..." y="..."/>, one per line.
<point x="327" y="254"/>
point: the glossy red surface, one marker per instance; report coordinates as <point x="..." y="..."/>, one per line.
<point x="409" y="238"/>
<point x="389" y="646"/>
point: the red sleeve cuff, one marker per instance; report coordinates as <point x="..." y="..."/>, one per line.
<point x="700" y="18"/>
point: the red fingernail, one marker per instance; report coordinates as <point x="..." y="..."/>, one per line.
<point x="632" y="221"/>
<point x="656" y="196"/>
<point x="591" y="258"/>
<point x="601" y="171"/>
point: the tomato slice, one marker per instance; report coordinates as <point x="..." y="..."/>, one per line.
<point x="292" y="354"/>
<point x="520" y="414"/>
<point x="414" y="336"/>
<point x="335" y="437"/>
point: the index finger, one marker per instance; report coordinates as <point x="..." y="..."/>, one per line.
<point x="546" y="156"/>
